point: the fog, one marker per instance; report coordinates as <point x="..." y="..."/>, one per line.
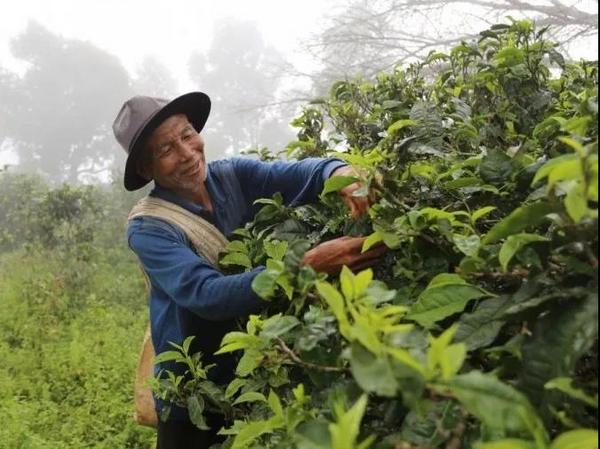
<point x="65" y="74"/>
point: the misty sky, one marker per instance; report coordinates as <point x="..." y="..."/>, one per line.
<point x="169" y="31"/>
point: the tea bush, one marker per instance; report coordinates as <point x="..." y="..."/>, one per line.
<point x="478" y="329"/>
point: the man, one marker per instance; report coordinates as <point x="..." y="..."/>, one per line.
<point x="189" y="295"/>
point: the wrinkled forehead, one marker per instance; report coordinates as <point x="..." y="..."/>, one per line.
<point x="170" y="127"/>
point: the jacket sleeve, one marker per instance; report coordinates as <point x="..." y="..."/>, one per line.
<point x="187" y="278"/>
<point x="299" y="182"/>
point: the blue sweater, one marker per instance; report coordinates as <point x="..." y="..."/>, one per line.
<point x="188" y="295"/>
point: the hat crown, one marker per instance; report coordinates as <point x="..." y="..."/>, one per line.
<point x="140" y="115"/>
<point x="133" y="116"/>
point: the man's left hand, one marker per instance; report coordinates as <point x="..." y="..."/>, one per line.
<point x="358" y="205"/>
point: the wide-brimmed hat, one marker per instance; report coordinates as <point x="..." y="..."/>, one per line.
<point x="140" y="115"/>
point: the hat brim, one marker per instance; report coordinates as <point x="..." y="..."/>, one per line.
<point x="196" y="105"/>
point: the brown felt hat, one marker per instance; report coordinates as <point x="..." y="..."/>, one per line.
<point x="140" y="115"/>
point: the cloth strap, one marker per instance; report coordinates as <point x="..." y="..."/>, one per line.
<point x="208" y="242"/>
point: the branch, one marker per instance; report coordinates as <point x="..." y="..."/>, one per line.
<point x="294" y="357"/>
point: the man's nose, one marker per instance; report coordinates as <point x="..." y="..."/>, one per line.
<point x="185" y="150"/>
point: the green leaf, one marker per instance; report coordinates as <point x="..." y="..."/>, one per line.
<point x="496" y="167"/>
<point x="318" y="326"/>
<point x="336" y="183"/>
<point x="345" y="430"/>
<point x="481" y="327"/>
<point x="186" y="344"/>
<point x="468" y="245"/>
<point x="334" y="300"/>
<point x="291" y="230"/>
<point x="400" y="124"/>
<point x="277" y="326"/>
<point x="390" y="104"/>
<point x="240" y="259"/>
<point x="251" y="396"/>
<point x="568" y="294"/>
<point x="313" y="434"/>
<point x="522" y="217"/>
<point x="509" y="57"/>
<point x="499" y="406"/>
<point x="237" y="246"/>
<point x="432" y="428"/>
<point x="564" y="384"/>
<point x="275" y="249"/>
<point x="195" y="406"/>
<point x="347" y="283"/>
<point x="373" y="374"/>
<point x="234" y="386"/>
<point x="443" y="279"/>
<point x="552" y="164"/>
<point x="372" y="240"/>
<point x="284" y="282"/>
<point x="445" y="356"/>
<point x="468" y="181"/>
<point x="169" y="356"/>
<point x="442" y="300"/>
<point x="252" y="430"/>
<point x="479" y="213"/>
<point x="234" y="341"/>
<point x="507" y="443"/>
<point x="265" y="283"/>
<point x="513" y="244"/>
<point x="406" y="358"/>
<point x="574" y="144"/>
<point x="353" y="286"/>
<point x="249" y="362"/>
<point x="560" y="337"/>
<point x="275" y="404"/>
<point x="576" y="439"/>
<point x="576" y="202"/>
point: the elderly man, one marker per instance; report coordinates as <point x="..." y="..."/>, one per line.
<point x="188" y="293"/>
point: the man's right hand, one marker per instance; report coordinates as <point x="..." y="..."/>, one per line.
<point x="329" y="257"/>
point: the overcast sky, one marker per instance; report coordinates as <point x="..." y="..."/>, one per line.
<point x="167" y="30"/>
<point x="171" y="30"/>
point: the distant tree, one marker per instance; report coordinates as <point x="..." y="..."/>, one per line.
<point x="242" y="75"/>
<point x="154" y="78"/>
<point x="367" y="36"/>
<point x="57" y="117"/>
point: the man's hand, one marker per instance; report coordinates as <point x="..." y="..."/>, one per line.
<point x="329" y="257"/>
<point x="358" y="205"/>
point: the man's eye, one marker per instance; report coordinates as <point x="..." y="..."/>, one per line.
<point x="164" y="151"/>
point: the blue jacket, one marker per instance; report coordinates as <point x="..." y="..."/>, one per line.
<point x="188" y="296"/>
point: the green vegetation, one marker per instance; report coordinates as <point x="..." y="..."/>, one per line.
<point x="73" y="316"/>
<point x="478" y="329"/>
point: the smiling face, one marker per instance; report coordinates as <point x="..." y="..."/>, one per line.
<point x="175" y="156"/>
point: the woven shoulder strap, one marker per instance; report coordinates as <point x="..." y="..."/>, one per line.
<point x="207" y="239"/>
<point x="208" y="242"/>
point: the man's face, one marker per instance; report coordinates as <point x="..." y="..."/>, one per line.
<point x="176" y="155"/>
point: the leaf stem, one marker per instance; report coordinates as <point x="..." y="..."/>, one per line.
<point x="294" y="357"/>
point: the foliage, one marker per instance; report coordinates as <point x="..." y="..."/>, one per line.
<point x="73" y="316"/>
<point x="54" y="115"/>
<point x="478" y="329"/>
